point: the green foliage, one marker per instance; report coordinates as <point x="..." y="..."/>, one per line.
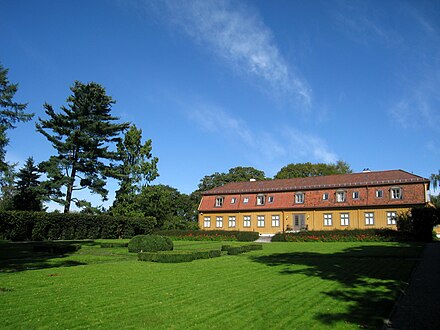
<point x="137" y="169"/>
<point x="7" y="189"/>
<point x="178" y="256"/>
<point x="435" y="180"/>
<point x="113" y="244"/>
<point x="210" y="235"/>
<point x="303" y="170"/>
<point x="56" y="247"/>
<point x="234" y="250"/>
<point x="29" y="193"/>
<point x="11" y="112"/>
<point x="354" y="235"/>
<point x="419" y="223"/>
<point x="150" y="243"/>
<point x="81" y="134"/>
<point x="37" y="226"/>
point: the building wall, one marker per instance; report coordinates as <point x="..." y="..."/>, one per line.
<point x="314" y="219"/>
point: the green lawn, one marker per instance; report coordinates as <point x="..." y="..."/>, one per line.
<point x="287" y="285"/>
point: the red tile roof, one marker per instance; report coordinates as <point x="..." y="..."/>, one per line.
<point x="319" y="182"/>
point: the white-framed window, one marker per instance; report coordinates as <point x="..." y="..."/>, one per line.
<point x="246" y="200"/>
<point x="379" y="193"/>
<point x="325" y="196"/>
<point x="340" y="196"/>
<point x="355" y="194"/>
<point x="260" y="221"/>
<point x="219" y="201"/>
<point x="231" y="222"/>
<point x="261" y="199"/>
<point x="391" y="217"/>
<point x="345" y="219"/>
<point x="299" y="198"/>
<point x="369" y="218"/>
<point x="328" y="219"/>
<point x="247" y="221"/>
<point x="270" y="199"/>
<point x="207" y="222"/>
<point x="275" y="220"/>
<point x="233" y="200"/>
<point x="219" y="222"/>
<point x="396" y="193"/>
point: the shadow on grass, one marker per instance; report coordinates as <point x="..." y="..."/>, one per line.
<point x="369" y="279"/>
<point x="21" y="256"/>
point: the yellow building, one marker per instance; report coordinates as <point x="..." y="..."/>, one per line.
<point x="346" y="201"/>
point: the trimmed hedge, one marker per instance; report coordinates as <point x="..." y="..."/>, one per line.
<point x="38" y="226"/>
<point x="346" y="235"/>
<point x="178" y="256"/>
<point x="234" y="250"/>
<point x="210" y="235"/>
<point x="56" y="247"/>
<point x="150" y="243"/>
<point x="112" y="245"/>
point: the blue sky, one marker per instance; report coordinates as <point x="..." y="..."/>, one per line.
<point x="219" y="84"/>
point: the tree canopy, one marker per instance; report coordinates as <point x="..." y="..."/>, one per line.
<point x="29" y="192"/>
<point x="302" y="170"/>
<point x="82" y="134"/>
<point x="11" y="112"/>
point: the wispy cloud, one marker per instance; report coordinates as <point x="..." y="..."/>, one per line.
<point x="237" y="35"/>
<point x="291" y="144"/>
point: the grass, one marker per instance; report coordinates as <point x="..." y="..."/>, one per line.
<point x="286" y="285"/>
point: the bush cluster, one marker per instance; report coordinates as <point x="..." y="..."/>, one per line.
<point x="234" y="250"/>
<point x="346" y="235"/>
<point x="210" y="235"/>
<point x="419" y="223"/>
<point x="178" y="256"/>
<point x="38" y="226"/>
<point x="150" y="243"/>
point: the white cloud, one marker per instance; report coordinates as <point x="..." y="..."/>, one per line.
<point x="288" y="146"/>
<point x="239" y="37"/>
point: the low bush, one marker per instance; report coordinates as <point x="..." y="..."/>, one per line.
<point x="39" y="226"/>
<point x="234" y="250"/>
<point x="56" y="247"/>
<point x="347" y="235"/>
<point x="112" y="245"/>
<point x="178" y="256"/>
<point x="209" y="235"/>
<point x="150" y="243"/>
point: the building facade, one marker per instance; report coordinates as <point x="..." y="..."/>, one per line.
<point x="346" y="201"/>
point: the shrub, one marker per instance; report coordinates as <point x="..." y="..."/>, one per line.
<point x="175" y="257"/>
<point x="209" y="235"/>
<point x="150" y="243"/>
<point x="56" y="248"/>
<point x="178" y="256"/>
<point x="346" y="235"/>
<point x="419" y="223"/>
<point x="112" y="245"/>
<point x="247" y="236"/>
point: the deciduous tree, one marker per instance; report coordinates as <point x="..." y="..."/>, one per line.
<point x="302" y="170"/>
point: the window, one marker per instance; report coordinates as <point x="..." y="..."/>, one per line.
<point x="245" y="200"/>
<point x="231" y="222"/>
<point x="325" y="196"/>
<point x="247" y="221"/>
<point x="340" y="196"/>
<point x="260" y="221"/>
<point x="207" y="222"/>
<point x="219" y="202"/>
<point x="299" y="198"/>
<point x="379" y="193"/>
<point x="270" y="199"/>
<point x="219" y="222"/>
<point x="369" y="218"/>
<point x="275" y="221"/>
<point x="260" y="199"/>
<point x="345" y="219"/>
<point x="328" y="219"/>
<point x="391" y="218"/>
<point x="396" y="193"/>
<point x="355" y="194"/>
<point x="233" y="200"/>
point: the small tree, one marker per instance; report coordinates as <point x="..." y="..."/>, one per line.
<point x="29" y="193"/>
<point x="419" y="222"/>
<point x="81" y="134"/>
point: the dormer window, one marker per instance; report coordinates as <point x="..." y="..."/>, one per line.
<point x="219" y="202"/>
<point x="340" y="196"/>
<point x="355" y="194"/>
<point x="325" y="196"/>
<point x="270" y="199"/>
<point x="233" y="200"/>
<point x="299" y="198"/>
<point x="245" y="200"/>
<point x="379" y="193"/>
<point x="396" y="193"/>
<point x="261" y="199"/>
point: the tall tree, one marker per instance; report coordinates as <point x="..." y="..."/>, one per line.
<point x="11" y="112"/>
<point x="435" y="180"/>
<point x="81" y="134"/>
<point x="302" y="170"/>
<point x="7" y="188"/>
<point x="138" y="167"/>
<point x="29" y="192"/>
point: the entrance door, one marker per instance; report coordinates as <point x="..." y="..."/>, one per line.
<point x="299" y="221"/>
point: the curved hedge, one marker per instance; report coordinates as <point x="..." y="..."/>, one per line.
<point x="38" y="226"/>
<point x="210" y="235"/>
<point x="150" y="243"/>
<point x="345" y="235"/>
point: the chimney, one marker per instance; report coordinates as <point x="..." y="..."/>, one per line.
<point x="366" y="170"/>
<point x="252" y="180"/>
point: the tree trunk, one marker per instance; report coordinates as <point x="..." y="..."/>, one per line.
<point x="69" y="191"/>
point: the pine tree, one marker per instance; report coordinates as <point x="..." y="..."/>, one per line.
<point x="81" y="134"/>
<point x="29" y="191"/>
